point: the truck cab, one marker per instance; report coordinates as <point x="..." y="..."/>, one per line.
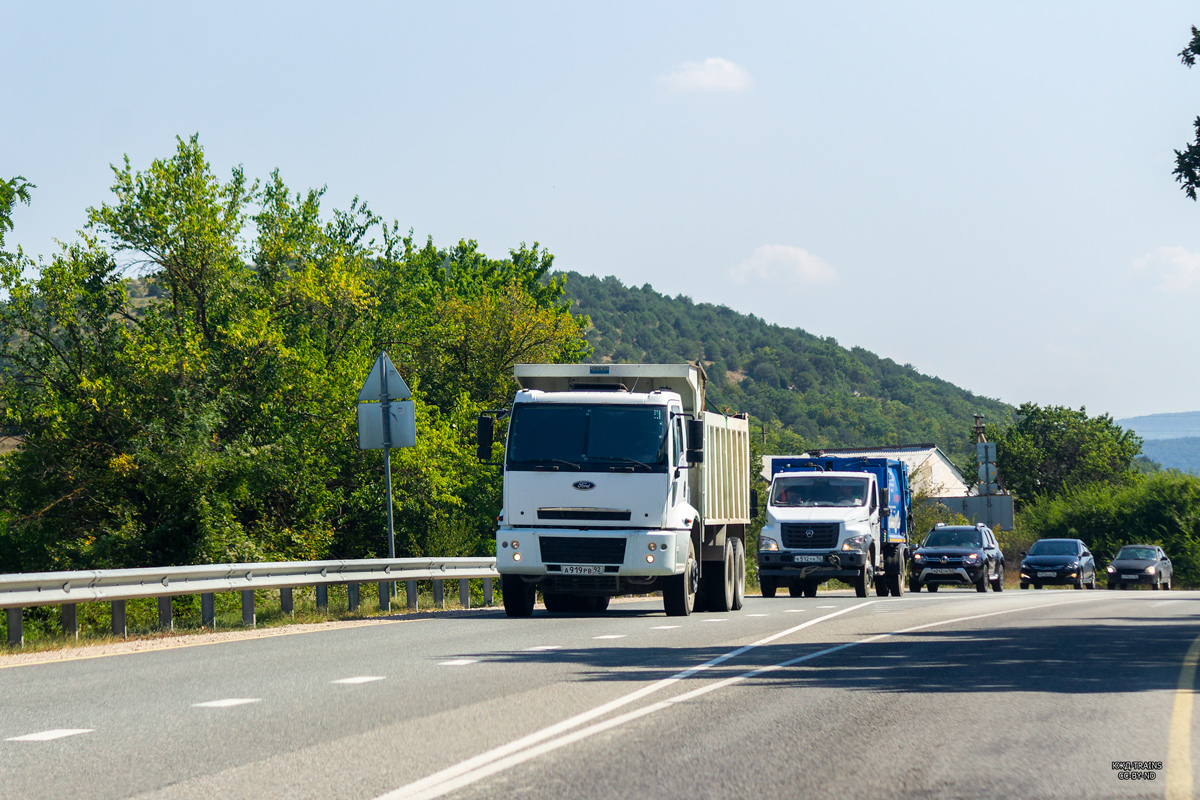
<point x="835" y="518"/>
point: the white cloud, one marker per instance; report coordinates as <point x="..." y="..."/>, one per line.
<point x="1178" y="270"/>
<point x="711" y="74"/>
<point x="783" y="264"/>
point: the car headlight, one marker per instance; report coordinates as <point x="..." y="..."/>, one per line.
<point x="971" y="558"/>
<point x="856" y="542"/>
<point x="918" y="557"/>
<point x="1073" y="565"/>
<point x="767" y="543"/>
<point x="1150" y="570"/>
<point x="1111" y="570"/>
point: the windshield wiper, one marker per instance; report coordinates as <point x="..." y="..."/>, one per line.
<point x="570" y="464"/>
<point x="627" y="461"/>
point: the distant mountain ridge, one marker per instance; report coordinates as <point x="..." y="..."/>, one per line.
<point x="1180" y="425"/>
<point x="822" y="393"/>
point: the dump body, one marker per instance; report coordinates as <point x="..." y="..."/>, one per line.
<point x="616" y="479"/>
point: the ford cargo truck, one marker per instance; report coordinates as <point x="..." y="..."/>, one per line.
<point x="617" y="481"/>
<point x="846" y="518"/>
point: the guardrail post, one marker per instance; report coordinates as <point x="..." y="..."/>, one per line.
<point x="70" y="620"/>
<point x="488" y="596"/>
<point x="118" y="618"/>
<point x="285" y="600"/>
<point x="464" y="592"/>
<point x="385" y="596"/>
<point x="352" y="596"/>
<point x="208" y="611"/>
<point x="322" y="598"/>
<point x="439" y="593"/>
<point x="16" y="627"/>
<point x="410" y="594"/>
<point x="248" y="618"/>
<point x="166" y="619"/>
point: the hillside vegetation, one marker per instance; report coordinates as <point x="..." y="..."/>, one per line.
<point x="818" y="392"/>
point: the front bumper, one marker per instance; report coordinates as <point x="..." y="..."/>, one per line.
<point x="805" y="563"/>
<point x="542" y="552"/>
<point x="1132" y="578"/>
<point x="1051" y="577"/>
<point x="965" y="576"/>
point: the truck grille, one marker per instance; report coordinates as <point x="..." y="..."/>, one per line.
<point x="595" y="514"/>
<point x="582" y="550"/>
<point x="796" y="535"/>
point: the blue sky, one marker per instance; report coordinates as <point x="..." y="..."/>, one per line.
<point x="983" y="191"/>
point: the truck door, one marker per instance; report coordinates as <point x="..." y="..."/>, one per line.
<point x="679" y="478"/>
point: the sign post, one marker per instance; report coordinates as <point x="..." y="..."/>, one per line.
<point x="385" y="424"/>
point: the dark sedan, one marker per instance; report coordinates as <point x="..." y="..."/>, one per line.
<point x="1058" y="562"/>
<point x="1141" y="565"/>
<point x="957" y="555"/>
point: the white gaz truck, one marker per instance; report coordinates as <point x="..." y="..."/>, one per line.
<point x="617" y="481"/>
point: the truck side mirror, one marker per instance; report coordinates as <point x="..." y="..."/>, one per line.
<point x="884" y="511"/>
<point x="753" y="503"/>
<point x="484" y="434"/>
<point x="695" y="434"/>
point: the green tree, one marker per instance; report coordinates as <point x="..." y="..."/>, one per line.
<point x="12" y="191"/>
<point x="1048" y="450"/>
<point x="1187" y="161"/>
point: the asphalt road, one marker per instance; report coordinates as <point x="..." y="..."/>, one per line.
<point x="958" y="694"/>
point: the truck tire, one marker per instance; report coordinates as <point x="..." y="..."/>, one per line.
<point x="717" y="582"/>
<point x="810" y="588"/>
<point x="914" y="585"/>
<point x="556" y="602"/>
<point x="679" y="591"/>
<point x="896" y="585"/>
<point x="894" y="564"/>
<point x="862" y="584"/>
<point x="767" y="584"/>
<point x="796" y="589"/>
<point x="881" y="587"/>
<point x="519" y="596"/>
<point x="739" y="574"/>
<point x="601" y="604"/>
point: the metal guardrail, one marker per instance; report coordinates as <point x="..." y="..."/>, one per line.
<point x="67" y="589"/>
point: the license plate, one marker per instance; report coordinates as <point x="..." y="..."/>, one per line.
<point x="569" y="569"/>
<point x="1047" y="574"/>
<point x="941" y="571"/>
<point x="1129" y="577"/>
<point x="810" y="559"/>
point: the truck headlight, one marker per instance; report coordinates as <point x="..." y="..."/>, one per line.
<point x="767" y="543"/>
<point x="859" y="542"/>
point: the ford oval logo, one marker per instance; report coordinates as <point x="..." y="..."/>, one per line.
<point x="584" y="486"/>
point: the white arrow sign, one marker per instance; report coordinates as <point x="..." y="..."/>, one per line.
<point x="384" y="383"/>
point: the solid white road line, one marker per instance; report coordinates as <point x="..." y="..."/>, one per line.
<point x="359" y="679"/>
<point x="458" y="662"/>
<point x="227" y="703"/>
<point x="443" y="781"/>
<point x="534" y="745"/>
<point x="47" y="736"/>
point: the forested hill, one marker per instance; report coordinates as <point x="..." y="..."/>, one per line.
<point x="797" y="383"/>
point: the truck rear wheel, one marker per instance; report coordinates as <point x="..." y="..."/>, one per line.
<point x="739" y="574"/>
<point x="555" y="602"/>
<point x="881" y="587"/>
<point x="810" y="588"/>
<point x="796" y="589"/>
<point x="767" y="584"/>
<point x="679" y="591"/>
<point x="519" y="596"/>
<point x="717" y="582"/>
<point x="895" y="572"/>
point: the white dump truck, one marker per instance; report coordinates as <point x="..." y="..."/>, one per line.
<point x="617" y="481"/>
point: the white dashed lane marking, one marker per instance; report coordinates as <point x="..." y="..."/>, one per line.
<point x="46" y="736"/>
<point x="610" y="636"/>
<point x="797" y="610"/>
<point x="758" y="615"/>
<point x="717" y="620"/>
<point x="459" y="662"/>
<point x="359" y="679"/>
<point x="227" y="703"/>
<point x="542" y="647"/>
<point x="664" y="627"/>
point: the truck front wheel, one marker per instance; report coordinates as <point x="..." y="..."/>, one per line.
<point x="862" y="584"/>
<point x="768" y="584"/>
<point x="519" y="596"/>
<point x="679" y="591"/>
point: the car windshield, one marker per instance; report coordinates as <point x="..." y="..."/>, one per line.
<point x="951" y="537"/>
<point x="1053" y="547"/>
<point x="587" y="437"/>
<point x="1137" y="553"/>
<point x="819" y="490"/>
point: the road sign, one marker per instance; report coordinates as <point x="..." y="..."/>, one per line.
<point x="383" y="383"/>
<point x="402" y="425"/>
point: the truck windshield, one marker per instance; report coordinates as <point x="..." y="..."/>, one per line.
<point x="819" y="490"/>
<point x="588" y="437"/>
